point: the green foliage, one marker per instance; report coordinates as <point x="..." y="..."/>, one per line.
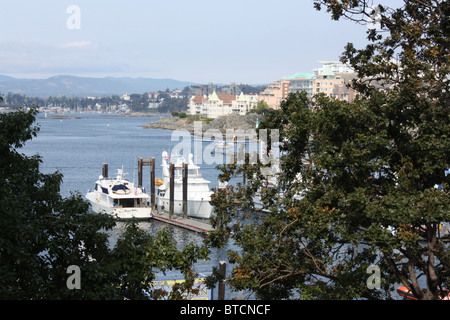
<point x="260" y="108"/>
<point x="173" y="105"/>
<point x="42" y="234"/>
<point x="351" y="171"/>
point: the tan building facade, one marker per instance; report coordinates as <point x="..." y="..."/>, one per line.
<point x="275" y="93"/>
<point x="326" y="81"/>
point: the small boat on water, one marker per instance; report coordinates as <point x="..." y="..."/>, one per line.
<point x="119" y="197"/>
<point x="223" y="147"/>
<point x="198" y="191"/>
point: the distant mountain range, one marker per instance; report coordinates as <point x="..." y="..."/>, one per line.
<point x="63" y="85"/>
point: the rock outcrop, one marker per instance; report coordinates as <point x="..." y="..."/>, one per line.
<point x="224" y="123"/>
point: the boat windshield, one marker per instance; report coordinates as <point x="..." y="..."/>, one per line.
<point x="119" y="187"/>
<point x="193" y="172"/>
<point x="131" y="203"/>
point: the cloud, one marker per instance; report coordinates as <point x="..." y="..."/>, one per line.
<point x="77" y="45"/>
<point x="26" y="57"/>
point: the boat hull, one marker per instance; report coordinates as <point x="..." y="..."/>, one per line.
<point x="118" y="212"/>
<point x="201" y="209"/>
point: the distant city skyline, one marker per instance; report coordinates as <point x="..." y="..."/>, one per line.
<point x="201" y="41"/>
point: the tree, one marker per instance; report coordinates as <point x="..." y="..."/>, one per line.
<point x="260" y="108"/>
<point x="173" y="104"/>
<point x="358" y="178"/>
<point x="42" y="235"/>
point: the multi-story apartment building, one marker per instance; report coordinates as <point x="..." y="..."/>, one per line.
<point x="334" y="84"/>
<point x="301" y="82"/>
<point x="326" y="81"/>
<point x="275" y="93"/>
<point x="331" y="80"/>
<point x="221" y="104"/>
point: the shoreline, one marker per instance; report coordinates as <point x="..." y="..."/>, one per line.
<point x="61" y="117"/>
<point x="136" y="114"/>
<point x="238" y="125"/>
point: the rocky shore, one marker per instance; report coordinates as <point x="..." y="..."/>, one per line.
<point x="239" y="123"/>
<point x="135" y="114"/>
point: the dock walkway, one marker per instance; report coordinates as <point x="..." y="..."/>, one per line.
<point x="178" y="221"/>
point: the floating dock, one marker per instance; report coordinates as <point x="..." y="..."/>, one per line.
<point x="179" y="221"/>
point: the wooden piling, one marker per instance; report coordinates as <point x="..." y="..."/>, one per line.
<point x="223" y="271"/>
<point x="140" y="163"/>
<point x="185" y="190"/>
<point x="171" y="189"/>
<point x="147" y="162"/>
<point x="152" y="183"/>
<point x="105" y="170"/>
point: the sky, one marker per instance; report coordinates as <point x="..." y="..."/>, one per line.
<point x="202" y="41"/>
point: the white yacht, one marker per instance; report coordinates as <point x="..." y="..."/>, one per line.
<point x="120" y="198"/>
<point x="198" y="191"/>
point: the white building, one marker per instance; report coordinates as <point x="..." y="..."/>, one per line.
<point x="335" y="66"/>
<point x="125" y="97"/>
<point x="221" y="104"/>
<point x="244" y="103"/>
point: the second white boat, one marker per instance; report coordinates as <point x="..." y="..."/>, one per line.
<point x="198" y="194"/>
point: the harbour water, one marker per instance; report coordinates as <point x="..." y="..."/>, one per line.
<point x="77" y="148"/>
